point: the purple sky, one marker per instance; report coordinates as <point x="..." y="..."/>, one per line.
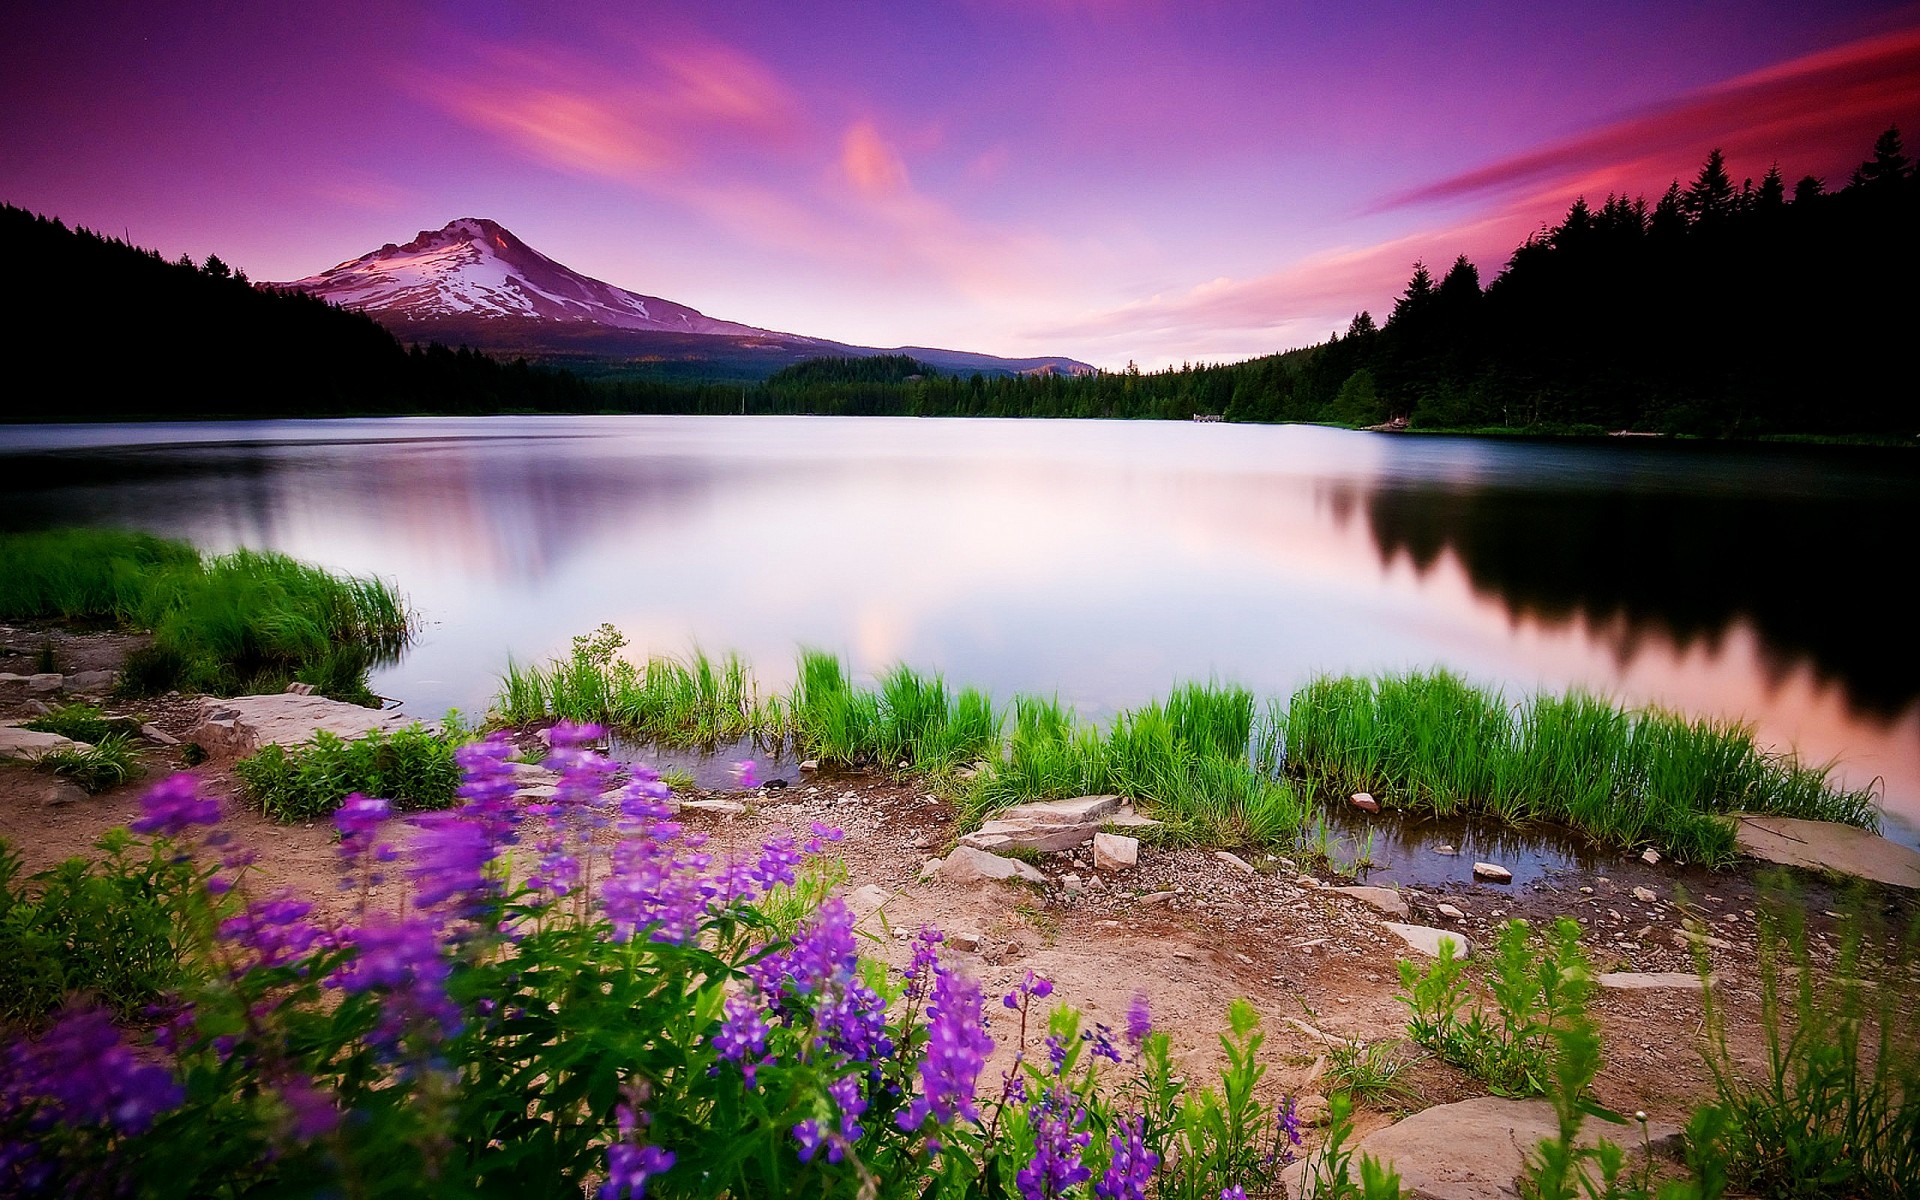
<point x="1108" y="179"/>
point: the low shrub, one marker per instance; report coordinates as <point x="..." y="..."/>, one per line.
<point x="1535" y="994"/>
<point x="113" y="931"/>
<point x="414" y="767"/>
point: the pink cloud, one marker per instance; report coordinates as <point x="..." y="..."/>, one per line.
<point x="1812" y="113"/>
<point x="584" y="115"/>
<point x="870" y="164"/>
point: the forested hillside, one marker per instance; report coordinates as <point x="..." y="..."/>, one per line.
<point x="123" y="332"/>
<point x="1716" y="309"/>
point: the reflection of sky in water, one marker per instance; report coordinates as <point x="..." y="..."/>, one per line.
<point x="1102" y="561"/>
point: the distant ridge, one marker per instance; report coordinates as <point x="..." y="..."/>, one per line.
<point x="473" y="282"/>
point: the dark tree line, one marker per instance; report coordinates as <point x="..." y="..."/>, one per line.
<point x="1717" y="309"/>
<point x="125" y="333"/>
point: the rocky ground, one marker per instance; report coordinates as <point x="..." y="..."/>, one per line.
<point x="1190" y="928"/>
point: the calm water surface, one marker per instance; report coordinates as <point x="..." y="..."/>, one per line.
<point x="1103" y="561"/>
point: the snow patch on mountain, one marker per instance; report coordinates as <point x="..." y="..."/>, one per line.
<point x="476" y="267"/>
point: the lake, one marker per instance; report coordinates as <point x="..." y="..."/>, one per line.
<point x="1101" y="561"/>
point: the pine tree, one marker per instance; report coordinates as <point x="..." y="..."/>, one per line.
<point x="1773" y="190"/>
<point x="1888" y="166"/>
<point x="1711" y="198"/>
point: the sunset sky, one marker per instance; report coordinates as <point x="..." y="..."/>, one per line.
<point x="1108" y="179"/>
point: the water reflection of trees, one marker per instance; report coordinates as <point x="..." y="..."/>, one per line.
<point x="1811" y="573"/>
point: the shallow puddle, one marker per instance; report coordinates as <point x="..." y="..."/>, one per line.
<point x="713" y="767"/>
<point x="1436" y="852"/>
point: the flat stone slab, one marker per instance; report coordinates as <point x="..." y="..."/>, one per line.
<point x="1380" y="899"/>
<point x="1475" y="1149"/>
<point x="29" y="744"/>
<point x="1650" y="981"/>
<point x="1827" y="845"/>
<point x="1426" y="939"/>
<point x="240" y="726"/>
<point x="964" y="864"/>
<point x="1046" y="826"/>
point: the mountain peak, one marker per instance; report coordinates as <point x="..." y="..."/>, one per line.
<point x="476" y="267"/>
<point x="473" y="281"/>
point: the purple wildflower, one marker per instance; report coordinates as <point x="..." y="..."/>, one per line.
<point x="926" y="961"/>
<point x="1287" y="1138"/>
<point x="1056" y="1053"/>
<point x="276" y="931"/>
<point x="1058" y="1141"/>
<point x="629" y="1165"/>
<point x="1036" y="987"/>
<point x="743" y="1035"/>
<point x="356" y="819"/>
<point x="174" y="804"/>
<point x="82" y="1073"/>
<point x="1139" y="1021"/>
<point x="487" y="787"/>
<point x="747" y="774"/>
<point x="656" y="886"/>
<point x="821" y="835"/>
<point x="628" y="1168"/>
<point x="1236" y="1192"/>
<point x="403" y="960"/>
<point x="1131" y="1167"/>
<point x="957" y="1047"/>
<point x="1102" y="1038"/>
<point x="778" y="857"/>
<point x="311" y="1112"/>
<point x="449" y="861"/>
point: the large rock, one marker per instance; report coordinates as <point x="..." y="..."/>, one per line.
<point x="1046" y="826"/>
<point x="1827" y="845"/>
<point x="90" y="681"/>
<point x="238" y="727"/>
<point x="1476" y="1149"/>
<point x="1380" y="899"/>
<point x="965" y="864"/>
<point x="1426" y="939"/>
<point x="29" y="744"/>
<point x="1114" y="852"/>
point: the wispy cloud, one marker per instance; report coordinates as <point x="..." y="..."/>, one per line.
<point x="1812" y="109"/>
<point x="721" y="136"/>
<point x="649" y="114"/>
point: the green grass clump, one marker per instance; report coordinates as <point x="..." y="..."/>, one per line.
<point x="1185" y="762"/>
<point x="246" y="621"/>
<point x="112" y="929"/>
<point x="1628" y="777"/>
<point x="81" y="722"/>
<point x="412" y="767"/>
<point x="106" y="764"/>
<point x="690" y="701"/>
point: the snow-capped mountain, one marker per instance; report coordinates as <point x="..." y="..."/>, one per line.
<point x="474" y="283"/>
<point x="474" y="267"/>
